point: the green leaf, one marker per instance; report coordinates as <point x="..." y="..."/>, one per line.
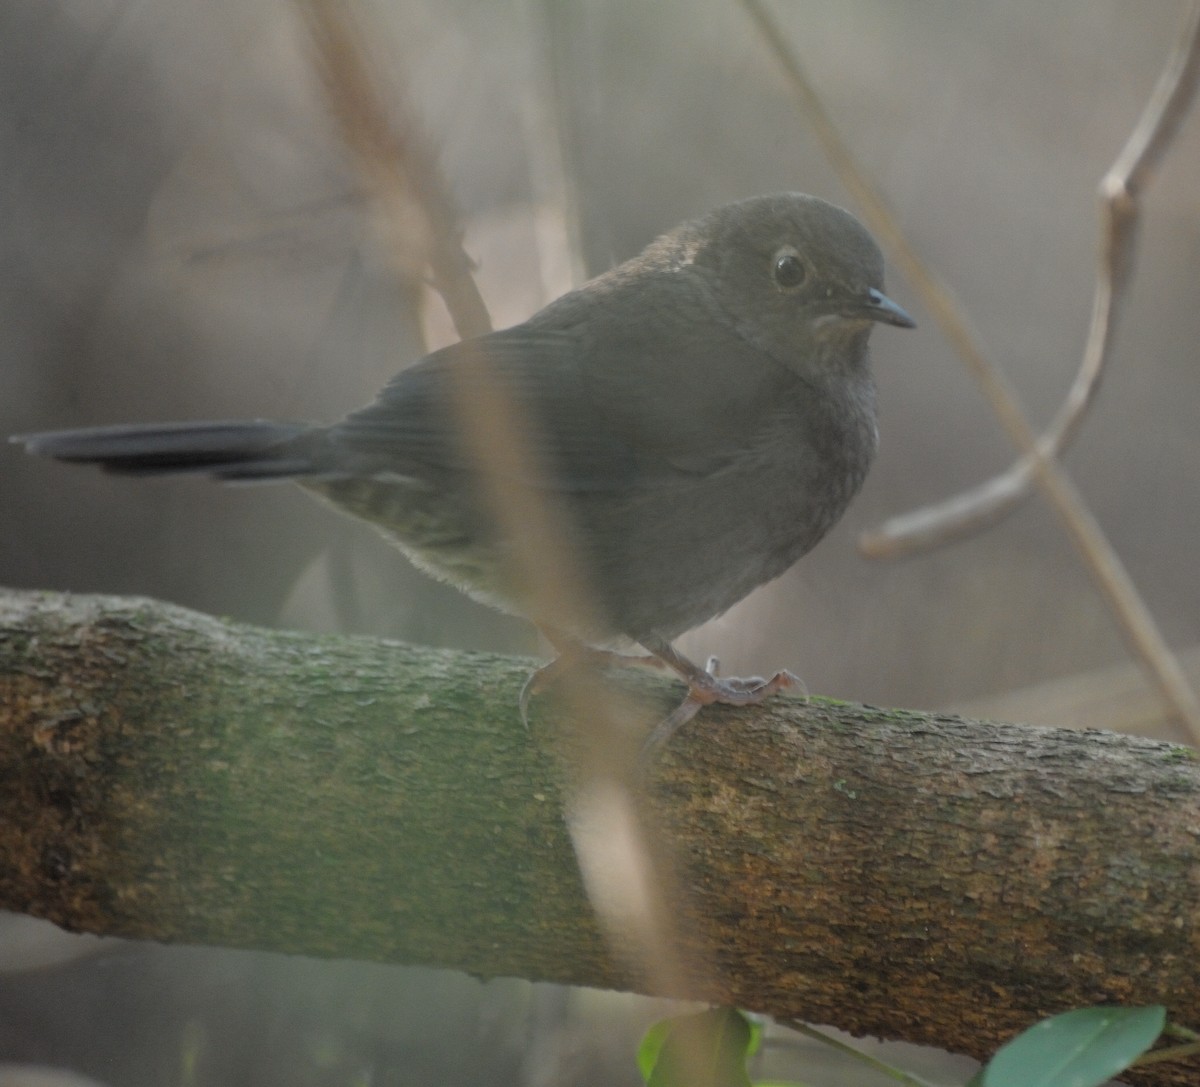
<point x="756" y="1034"/>
<point x="652" y="1043"/>
<point x="1082" y="1048"/>
<point x="713" y="1044"/>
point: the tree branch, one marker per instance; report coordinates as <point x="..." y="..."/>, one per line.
<point x="174" y="777"/>
<point x="1100" y="559"/>
<point x="1119" y="190"/>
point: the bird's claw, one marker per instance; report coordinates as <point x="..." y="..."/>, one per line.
<point x="706" y="687"/>
<point x="742" y="690"/>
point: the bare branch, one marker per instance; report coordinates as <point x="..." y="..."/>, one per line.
<point x="397" y="163"/>
<point x="546" y="123"/>
<point x="1119" y="190"/>
<point x="626" y="869"/>
<point x="1135" y="622"/>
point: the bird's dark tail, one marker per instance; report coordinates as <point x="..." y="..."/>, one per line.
<point x="225" y="450"/>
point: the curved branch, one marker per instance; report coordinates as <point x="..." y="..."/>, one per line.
<point x="398" y="164"/>
<point x="1119" y="190"/>
<point x="173" y="777"/>
<point x="1100" y="559"/>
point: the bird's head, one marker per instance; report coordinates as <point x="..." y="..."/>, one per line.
<point x="798" y="277"/>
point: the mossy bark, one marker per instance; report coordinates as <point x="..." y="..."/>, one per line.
<point x="175" y="777"/>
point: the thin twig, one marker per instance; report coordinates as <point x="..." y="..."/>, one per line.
<point x="555" y="190"/>
<point x="397" y="164"/>
<point x="1101" y="560"/>
<point x="1119" y="190"/>
<point x="1170" y="1053"/>
<point x="626" y="870"/>
<point x="898" y="1074"/>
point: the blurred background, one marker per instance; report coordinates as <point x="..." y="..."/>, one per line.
<point x="185" y="237"/>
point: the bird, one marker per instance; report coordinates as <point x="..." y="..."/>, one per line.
<point x="701" y="414"/>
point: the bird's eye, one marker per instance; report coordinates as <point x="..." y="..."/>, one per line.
<point x="789" y="271"/>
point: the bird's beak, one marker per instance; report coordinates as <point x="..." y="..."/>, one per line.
<point x="878" y="307"/>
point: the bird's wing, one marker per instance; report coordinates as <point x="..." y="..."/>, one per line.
<point x="600" y="403"/>
<point x="415" y="425"/>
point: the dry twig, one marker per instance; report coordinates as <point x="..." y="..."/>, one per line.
<point x="1100" y="559"/>
<point x="626" y="870"/>
<point x="1118" y="191"/>
<point x="397" y="164"/>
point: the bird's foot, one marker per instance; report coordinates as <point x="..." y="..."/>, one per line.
<point x="705" y="686"/>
